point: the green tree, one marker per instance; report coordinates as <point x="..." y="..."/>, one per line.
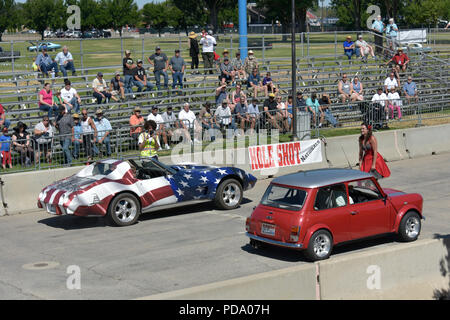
<point x="425" y="12"/>
<point x="42" y="14"/>
<point x="119" y="13"/>
<point x="156" y="15"/>
<point x="193" y="13"/>
<point x="8" y="18"/>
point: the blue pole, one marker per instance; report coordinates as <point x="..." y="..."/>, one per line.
<point x="243" y="28"/>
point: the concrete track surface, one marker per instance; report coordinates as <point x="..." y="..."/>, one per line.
<point x="174" y="248"/>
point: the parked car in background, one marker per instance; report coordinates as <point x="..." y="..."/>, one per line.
<point x="86" y="35"/>
<point x="315" y="210"/>
<point x="106" y="33"/>
<point x="51" y="46"/>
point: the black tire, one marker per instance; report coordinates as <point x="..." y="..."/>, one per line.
<point x="124" y="210"/>
<point x="410" y="226"/>
<point x="320" y="246"/>
<point x="228" y="194"/>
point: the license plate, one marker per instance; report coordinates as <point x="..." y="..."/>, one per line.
<point x="268" y="229"/>
<point x="51" y="208"/>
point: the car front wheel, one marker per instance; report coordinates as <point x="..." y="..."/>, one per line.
<point x="124" y="210"/>
<point x="319" y="246"/>
<point x="229" y="194"/>
<point x="410" y="226"/>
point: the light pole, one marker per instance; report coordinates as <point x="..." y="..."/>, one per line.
<point x="294" y="76"/>
<point x="322" y="15"/>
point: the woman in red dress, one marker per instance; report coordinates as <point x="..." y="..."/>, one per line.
<point x="369" y="158"/>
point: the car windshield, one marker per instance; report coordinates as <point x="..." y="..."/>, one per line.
<point x="284" y="197"/>
<point x="101" y="168"/>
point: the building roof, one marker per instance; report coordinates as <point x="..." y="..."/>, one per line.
<point x="320" y="177"/>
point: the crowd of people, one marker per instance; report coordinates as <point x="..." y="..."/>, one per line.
<point x="245" y="101"/>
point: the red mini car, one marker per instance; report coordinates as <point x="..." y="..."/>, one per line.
<point x="315" y="210"/>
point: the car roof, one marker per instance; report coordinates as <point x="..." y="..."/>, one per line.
<point x="320" y="177"/>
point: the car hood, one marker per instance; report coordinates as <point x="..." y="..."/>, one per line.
<point x="393" y="192"/>
<point x="72" y="183"/>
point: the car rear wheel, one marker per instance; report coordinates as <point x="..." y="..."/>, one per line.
<point x="229" y="194"/>
<point x="319" y="246"/>
<point x="124" y="210"/>
<point x="410" y="227"/>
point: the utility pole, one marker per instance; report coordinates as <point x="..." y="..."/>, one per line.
<point x="294" y="76"/>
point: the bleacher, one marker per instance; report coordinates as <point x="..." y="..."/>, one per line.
<point x="320" y="74"/>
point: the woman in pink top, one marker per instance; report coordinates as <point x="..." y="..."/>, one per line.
<point x="46" y="100"/>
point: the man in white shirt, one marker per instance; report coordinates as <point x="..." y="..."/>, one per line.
<point x="395" y="102"/>
<point x="100" y="89"/>
<point x="71" y="98"/>
<point x="381" y="99"/>
<point x="187" y="121"/>
<point x="208" y="42"/>
<point x="364" y="48"/>
<point x="390" y="82"/>
<point x="65" y="62"/>
<point x="160" y="129"/>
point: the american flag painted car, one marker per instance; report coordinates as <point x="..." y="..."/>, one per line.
<point x="123" y="189"/>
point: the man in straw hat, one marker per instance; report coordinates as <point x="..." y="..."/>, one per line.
<point x="194" y="50"/>
<point x="349" y="47"/>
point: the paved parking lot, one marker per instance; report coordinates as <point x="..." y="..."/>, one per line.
<point x="174" y="248"/>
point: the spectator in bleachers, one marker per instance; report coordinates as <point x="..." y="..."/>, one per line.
<point x="313" y="107"/>
<point x="251" y="63"/>
<point x="71" y="98"/>
<point x="117" y="87"/>
<point x="128" y="74"/>
<point x="21" y="143"/>
<point x="390" y="82"/>
<point x="89" y="135"/>
<point x="65" y="62"/>
<point x="160" y="64"/>
<point x="391" y="34"/>
<point x="34" y="66"/>
<point x="325" y="108"/>
<point x="410" y="90"/>
<point x="77" y="132"/>
<point x="58" y="101"/>
<point x="241" y="114"/>
<point x="356" y="90"/>
<point x="46" y="102"/>
<point x="103" y="131"/>
<point x="140" y="78"/>
<point x="223" y="116"/>
<point x="253" y="112"/>
<point x="226" y="71"/>
<point x="3" y="121"/>
<point x="349" y="47"/>
<point x="5" y="148"/>
<point x="283" y="113"/>
<point x="344" y="88"/>
<point x="254" y="83"/>
<point x="65" y="124"/>
<point x="160" y="130"/>
<point x="187" y="120"/>
<point x="207" y="121"/>
<point x="221" y="94"/>
<point x="194" y="50"/>
<point x="380" y="99"/>
<point x="268" y="83"/>
<point x="100" y="89"/>
<point x="238" y="67"/>
<point x="170" y="121"/>
<point x="400" y="60"/>
<point x="136" y="123"/>
<point x="236" y="94"/>
<point x="395" y="102"/>
<point x="378" y="28"/>
<point x="208" y="42"/>
<point x="270" y="111"/>
<point x="45" y="63"/>
<point x="177" y="66"/>
<point x="364" y="48"/>
<point x="290" y="106"/>
<point x="300" y="101"/>
<point x="44" y="132"/>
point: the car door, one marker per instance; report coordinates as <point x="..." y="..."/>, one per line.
<point x="368" y="209"/>
<point x="331" y="210"/>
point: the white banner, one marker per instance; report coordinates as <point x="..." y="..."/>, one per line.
<point x="285" y="154"/>
<point x="412" y="36"/>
